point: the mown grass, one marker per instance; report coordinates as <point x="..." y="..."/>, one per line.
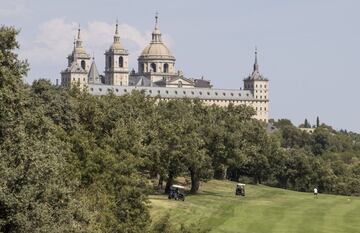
<point x="263" y="210"/>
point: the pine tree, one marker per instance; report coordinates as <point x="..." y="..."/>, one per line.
<point x="317" y="122"/>
<point x="306" y="124"/>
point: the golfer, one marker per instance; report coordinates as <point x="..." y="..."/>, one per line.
<point x="315" y="193"/>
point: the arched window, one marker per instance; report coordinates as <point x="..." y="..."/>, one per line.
<point x="109" y="62"/>
<point x="153" y="67"/>
<point x="121" y="62"/>
<point x="83" y="64"/>
<point x="179" y="84"/>
<point x="166" y="68"/>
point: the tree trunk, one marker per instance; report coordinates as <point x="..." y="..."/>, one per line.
<point x="283" y="182"/>
<point x="195" y="181"/>
<point x="169" y="182"/>
<point x="161" y="180"/>
<point x="220" y="173"/>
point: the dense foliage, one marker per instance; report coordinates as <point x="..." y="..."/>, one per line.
<point x="327" y="159"/>
<point x="72" y="162"/>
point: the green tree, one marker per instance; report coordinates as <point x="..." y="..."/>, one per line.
<point x="306" y="124"/>
<point x="38" y="190"/>
<point x="321" y="140"/>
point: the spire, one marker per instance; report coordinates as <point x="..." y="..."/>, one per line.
<point x="256" y="73"/>
<point x="256" y="65"/>
<point x="78" y="39"/>
<point x="117" y="36"/>
<point x="156" y="34"/>
<point x="116" y="45"/>
<point x="116" y="30"/>
<point x="79" y="51"/>
<point x="74" y="42"/>
<point x="74" y="52"/>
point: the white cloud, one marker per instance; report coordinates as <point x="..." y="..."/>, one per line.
<point x="13" y="9"/>
<point x="54" y="41"/>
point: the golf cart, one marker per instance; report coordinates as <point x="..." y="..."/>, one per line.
<point x="177" y="192"/>
<point x="240" y="189"/>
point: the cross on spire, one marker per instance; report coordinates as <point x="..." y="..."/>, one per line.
<point x="117" y="23"/>
<point x="78" y="36"/>
<point x="156" y="18"/>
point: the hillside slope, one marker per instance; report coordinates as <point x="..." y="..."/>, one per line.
<point x="263" y="210"/>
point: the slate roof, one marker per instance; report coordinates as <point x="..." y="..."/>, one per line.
<point x="175" y="92"/>
<point x="140" y="81"/>
<point x="201" y="83"/>
<point x="75" y="68"/>
<point x="93" y="75"/>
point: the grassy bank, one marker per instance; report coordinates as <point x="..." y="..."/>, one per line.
<point x="263" y="210"/>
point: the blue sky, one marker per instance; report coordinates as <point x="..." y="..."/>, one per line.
<point x="308" y="49"/>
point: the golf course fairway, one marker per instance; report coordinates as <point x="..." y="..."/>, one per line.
<point x="262" y="210"/>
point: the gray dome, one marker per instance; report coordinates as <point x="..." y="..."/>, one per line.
<point x="156" y="50"/>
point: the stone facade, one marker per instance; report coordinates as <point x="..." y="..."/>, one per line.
<point x="157" y="77"/>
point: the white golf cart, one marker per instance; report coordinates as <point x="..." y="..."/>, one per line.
<point x="177" y="192"/>
<point x="240" y="189"/>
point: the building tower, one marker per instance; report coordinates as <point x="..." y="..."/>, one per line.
<point x="116" y="63"/>
<point x="258" y="85"/>
<point x="156" y="61"/>
<point x="78" y="65"/>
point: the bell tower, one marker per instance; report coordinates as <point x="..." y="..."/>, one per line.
<point x="78" y="67"/>
<point x="79" y="54"/>
<point x="258" y="85"/>
<point x="116" y="63"/>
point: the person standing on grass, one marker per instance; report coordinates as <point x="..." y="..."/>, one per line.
<point x="315" y="192"/>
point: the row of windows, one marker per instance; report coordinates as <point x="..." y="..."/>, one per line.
<point x="217" y="101"/>
<point x="260" y="86"/>
<point x="200" y="93"/>
<point x="251" y="86"/>
<point x="176" y="92"/>
<point x="154" y="69"/>
<point x="260" y="91"/>
<point x="74" y="79"/>
<point x="261" y="97"/>
<point x="232" y="101"/>
<point x="68" y="79"/>
<point x="260" y="108"/>
<point x="121" y="62"/>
